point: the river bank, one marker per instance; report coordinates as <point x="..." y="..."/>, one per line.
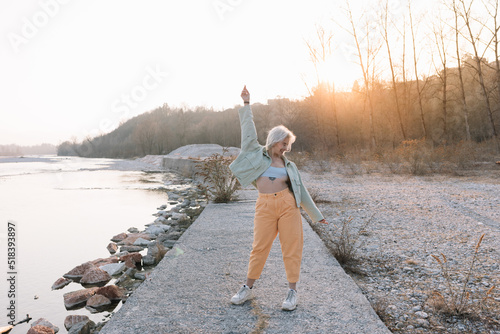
<point x="66" y="209"/>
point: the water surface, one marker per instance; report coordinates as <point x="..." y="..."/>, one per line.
<point x="65" y="211"/>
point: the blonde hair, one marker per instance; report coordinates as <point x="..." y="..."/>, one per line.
<point x="277" y="134"/>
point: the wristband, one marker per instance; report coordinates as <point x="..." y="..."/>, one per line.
<point x="246" y="102"/>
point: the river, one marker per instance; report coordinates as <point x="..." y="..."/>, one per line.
<point x="65" y="210"/>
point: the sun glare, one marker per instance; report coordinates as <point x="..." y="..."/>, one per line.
<point x="339" y="71"/>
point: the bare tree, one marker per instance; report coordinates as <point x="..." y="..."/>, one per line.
<point x="473" y="38"/>
<point x="367" y="67"/>
<point x="319" y="54"/>
<point x="385" y="35"/>
<point x="415" y="62"/>
<point x="460" y="72"/>
<point x="492" y="9"/>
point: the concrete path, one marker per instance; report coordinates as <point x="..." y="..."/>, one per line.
<point x="190" y="290"/>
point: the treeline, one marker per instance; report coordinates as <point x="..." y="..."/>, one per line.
<point x="16" y="150"/>
<point x="325" y="121"/>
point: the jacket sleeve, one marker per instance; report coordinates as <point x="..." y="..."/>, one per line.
<point x="308" y="205"/>
<point x="249" y="140"/>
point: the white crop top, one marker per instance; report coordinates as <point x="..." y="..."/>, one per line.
<point x="275" y="173"/>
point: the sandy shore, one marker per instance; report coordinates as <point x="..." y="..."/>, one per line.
<point x="413" y="218"/>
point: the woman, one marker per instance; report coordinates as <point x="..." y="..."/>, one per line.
<point x="281" y="193"/>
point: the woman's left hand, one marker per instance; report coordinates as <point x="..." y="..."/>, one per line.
<point x="323" y="221"/>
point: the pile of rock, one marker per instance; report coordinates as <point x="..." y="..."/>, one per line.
<point x="133" y="255"/>
<point x="74" y="324"/>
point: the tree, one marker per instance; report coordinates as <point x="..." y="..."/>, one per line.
<point x="367" y="67"/>
<point x="384" y="20"/>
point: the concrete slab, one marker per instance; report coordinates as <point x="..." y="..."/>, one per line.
<point x="190" y="289"/>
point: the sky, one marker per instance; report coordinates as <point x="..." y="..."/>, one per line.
<point x="75" y="68"/>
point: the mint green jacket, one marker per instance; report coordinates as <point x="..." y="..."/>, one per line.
<point x="254" y="160"/>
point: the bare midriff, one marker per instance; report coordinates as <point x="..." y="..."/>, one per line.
<point x="267" y="186"/>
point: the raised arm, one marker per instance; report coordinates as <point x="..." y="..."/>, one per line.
<point x="249" y="140"/>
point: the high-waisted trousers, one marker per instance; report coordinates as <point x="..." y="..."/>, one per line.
<point x="277" y="213"/>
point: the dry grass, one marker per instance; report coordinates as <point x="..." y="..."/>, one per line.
<point x="461" y="300"/>
<point x="344" y="241"/>
<point x="415" y="157"/>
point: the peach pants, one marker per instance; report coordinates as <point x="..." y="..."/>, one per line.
<point x="277" y="213"/>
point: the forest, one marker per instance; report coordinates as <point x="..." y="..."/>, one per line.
<point x="396" y="100"/>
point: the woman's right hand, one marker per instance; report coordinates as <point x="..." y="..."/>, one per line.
<point x="245" y="95"/>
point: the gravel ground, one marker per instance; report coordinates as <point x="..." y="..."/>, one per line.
<point x="411" y="219"/>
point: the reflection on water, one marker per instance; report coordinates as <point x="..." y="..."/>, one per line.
<point x="66" y="210"/>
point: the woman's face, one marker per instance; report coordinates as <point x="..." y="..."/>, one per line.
<point x="281" y="147"/>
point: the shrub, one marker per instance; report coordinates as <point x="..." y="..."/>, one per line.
<point x="220" y="183"/>
<point x="344" y="241"/>
<point x="458" y="301"/>
<point x="415" y="153"/>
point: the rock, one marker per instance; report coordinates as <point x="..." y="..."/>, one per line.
<point x="112" y="248"/>
<point x="142" y="242"/>
<point x="169" y="243"/>
<point x="162" y="207"/>
<point x="140" y="276"/>
<point x="78" y="298"/>
<point x="133" y="230"/>
<point x="174" y="235"/>
<point x="421" y="314"/>
<point x="157" y="251"/>
<point x="61" y="283"/>
<point x="148" y="260"/>
<point x="131" y="249"/>
<point x="131" y="272"/>
<point x="172" y="196"/>
<point x="119" y="237"/>
<point x="97" y="303"/>
<point x="422" y="323"/>
<point x="83" y="327"/>
<point x="39" y="329"/>
<point x="186" y="203"/>
<point x="392" y="310"/>
<point x="164" y="214"/>
<point x="113" y="268"/>
<point x="157" y="229"/>
<point x="95" y="276"/>
<point x="77" y="273"/>
<point x="160" y="220"/>
<point x="136" y="257"/>
<point x="120" y="254"/>
<point x="101" y="262"/>
<point x="132" y="260"/>
<point x="416" y="308"/>
<point x="179" y="216"/>
<point x="131" y="238"/>
<point x="74" y="319"/>
<point x="46" y="323"/>
<point x="112" y="292"/>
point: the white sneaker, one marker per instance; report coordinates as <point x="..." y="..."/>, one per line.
<point x="244" y="294"/>
<point x="290" y="302"/>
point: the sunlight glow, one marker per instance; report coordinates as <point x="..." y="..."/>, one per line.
<point x="338" y="71"/>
